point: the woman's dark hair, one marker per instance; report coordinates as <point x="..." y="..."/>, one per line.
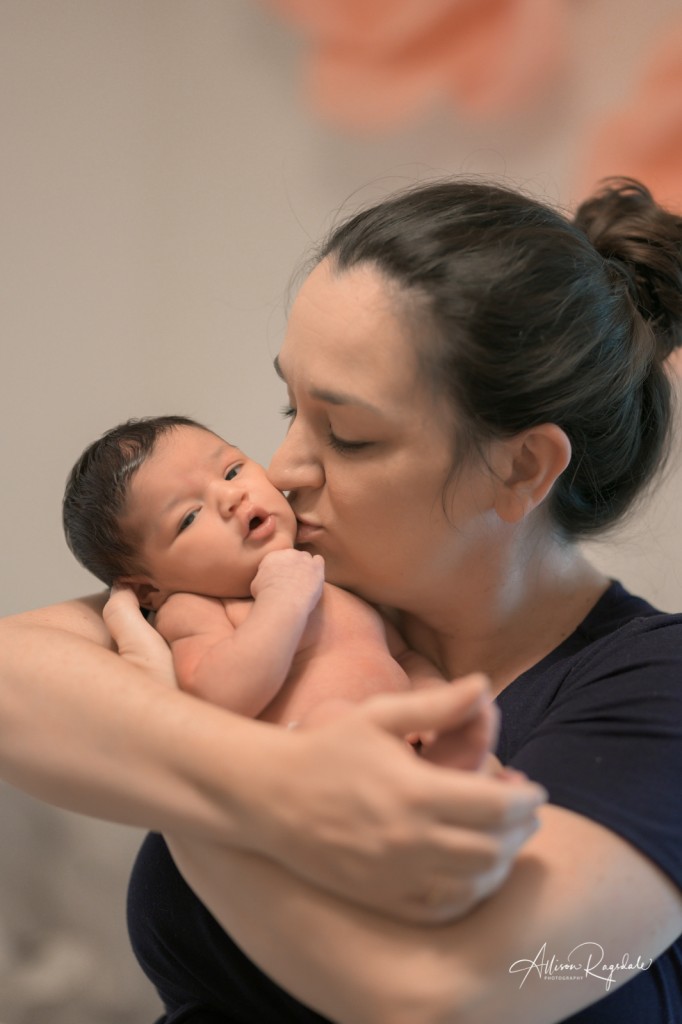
<point x="533" y="319"/>
<point x="96" y="493"/>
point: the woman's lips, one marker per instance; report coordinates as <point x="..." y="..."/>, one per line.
<point x="307" y="531"/>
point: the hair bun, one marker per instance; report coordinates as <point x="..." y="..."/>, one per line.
<point x="627" y="226"/>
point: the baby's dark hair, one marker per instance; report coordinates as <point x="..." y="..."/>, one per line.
<point x="96" y="493"/>
<point x="522" y="317"/>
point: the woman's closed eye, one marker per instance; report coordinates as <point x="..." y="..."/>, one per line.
<point x="345" y="447"/>
<point x="338" y="444"/>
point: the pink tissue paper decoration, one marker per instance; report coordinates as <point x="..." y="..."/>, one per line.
<point x="643" y="139"/>
<point x="374" y="64"/>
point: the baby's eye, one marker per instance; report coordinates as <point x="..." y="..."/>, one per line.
<point x="187" y="521"/>
<point x="232" y="472"/>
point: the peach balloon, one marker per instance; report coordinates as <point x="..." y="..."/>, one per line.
<point x="374" y="65"/>
<point x="643" y="139"/>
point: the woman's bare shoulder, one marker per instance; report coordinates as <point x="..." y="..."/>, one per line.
<point x="81" y="616"/>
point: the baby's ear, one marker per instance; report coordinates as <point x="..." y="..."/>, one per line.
<point x="147" y="594"/>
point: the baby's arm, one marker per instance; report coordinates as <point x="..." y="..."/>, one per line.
<point x="243" y="667"/>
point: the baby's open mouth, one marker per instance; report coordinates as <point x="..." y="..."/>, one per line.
<point x="261" y="527"/>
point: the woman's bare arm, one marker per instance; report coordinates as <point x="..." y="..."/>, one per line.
<point x="82" y="728"/>
<point x="348" y="806"/>
<point x="577" y="892"/>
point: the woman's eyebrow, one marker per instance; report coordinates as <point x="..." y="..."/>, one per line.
<point x="333" y="397"/>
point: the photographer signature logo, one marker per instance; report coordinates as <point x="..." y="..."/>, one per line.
<point x="586" y="960"/>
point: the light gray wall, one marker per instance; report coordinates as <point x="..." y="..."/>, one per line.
<point x="160" y="179"/>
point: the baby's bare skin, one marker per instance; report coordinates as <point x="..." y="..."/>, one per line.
<point x="340" y="652"/>
<point x="343" y="655"/>
<point x="297" y="643"/>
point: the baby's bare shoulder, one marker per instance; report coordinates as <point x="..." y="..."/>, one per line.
<point x="182" y="615"/>
<point x="347" y="610"/>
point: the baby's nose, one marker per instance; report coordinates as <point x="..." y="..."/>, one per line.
<point x="229" y="496"/>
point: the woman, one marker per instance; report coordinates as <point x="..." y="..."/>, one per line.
<point x="474" y="383"/>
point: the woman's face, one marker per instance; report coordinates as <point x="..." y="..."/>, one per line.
<point x="369" y="449"/>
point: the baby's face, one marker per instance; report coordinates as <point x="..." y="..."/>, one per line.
<point x="203" y="515"/>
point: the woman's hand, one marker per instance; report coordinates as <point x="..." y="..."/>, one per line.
<point x="137" y="641"/>
<point x="353" y="810"/>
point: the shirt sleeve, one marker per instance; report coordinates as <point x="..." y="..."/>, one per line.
<point x="610" y="745"/>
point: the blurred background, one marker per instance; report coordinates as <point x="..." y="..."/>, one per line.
<point x="165" y="165"/>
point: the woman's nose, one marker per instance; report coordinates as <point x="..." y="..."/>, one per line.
<point x="294" y="465"/>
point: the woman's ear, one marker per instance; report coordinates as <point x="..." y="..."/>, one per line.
<point x="147" y="594"/>
<point x="526" y="467"/>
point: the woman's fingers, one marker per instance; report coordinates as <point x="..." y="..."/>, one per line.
<point x="481" y="824"/>
<point x="478" y="801"/>
<point x="458" y="725"/>
<point x="466" y="746"/>
<point x="136" y="640"/>
<point x="433" y="710"/>
<point x="360" y="815"/>
<point x="479" y="864"/>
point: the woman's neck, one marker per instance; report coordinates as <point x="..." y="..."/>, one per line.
<point x="505" y="622"/>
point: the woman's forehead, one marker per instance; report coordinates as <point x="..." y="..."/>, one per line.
<point x="346" y="330"/>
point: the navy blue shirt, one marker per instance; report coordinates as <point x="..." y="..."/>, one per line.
<point x="598" y="722"/>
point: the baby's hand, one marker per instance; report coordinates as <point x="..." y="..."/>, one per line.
<point x="294" y="575"/>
